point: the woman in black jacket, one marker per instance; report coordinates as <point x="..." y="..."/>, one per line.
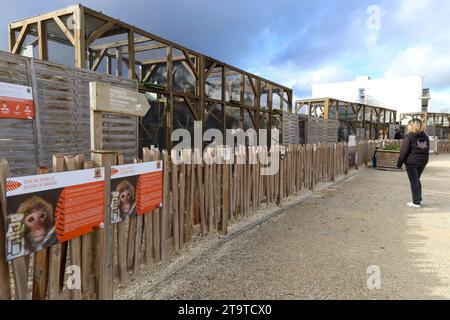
<point x="414" y="152"/>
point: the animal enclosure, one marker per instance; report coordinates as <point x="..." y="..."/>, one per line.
<point x="365" y="121"/>
<point x="181" y="85"/>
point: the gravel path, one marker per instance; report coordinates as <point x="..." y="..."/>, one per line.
<point x="321" y="249"/>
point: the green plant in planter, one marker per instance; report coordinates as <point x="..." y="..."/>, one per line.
<point x="392" y="146"/>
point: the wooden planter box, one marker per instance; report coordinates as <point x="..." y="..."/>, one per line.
<point x="387" y="160"/>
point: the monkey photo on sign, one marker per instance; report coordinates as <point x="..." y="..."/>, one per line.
<point x="39" y="223"/>
<point x="127" y="199"/>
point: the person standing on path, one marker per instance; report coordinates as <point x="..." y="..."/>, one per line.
<point x="414" y="153"/>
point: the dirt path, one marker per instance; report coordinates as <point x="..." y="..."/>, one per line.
<point x="322" y="248"/>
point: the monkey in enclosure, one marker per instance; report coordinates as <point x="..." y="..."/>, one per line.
<point x="39" y="223"/>
<point x="127" y="199"/>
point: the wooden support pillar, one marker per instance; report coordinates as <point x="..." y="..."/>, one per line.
<point x="269" y="105"/>
<point x="258" y="106"/>
<point x="43" y="41"/>
<point x="131" y="56"/>
<point x="224" y="114"/>
<point x="201" y="82"/>
<point x="11" y="38"/>
<point x="108" y="65"/>
<point x="80" y="37"/>
<point x="170" y="98"/>
<point x="326" y="108"/>
<point x="119" y="62"/>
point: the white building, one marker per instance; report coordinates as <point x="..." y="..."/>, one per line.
<point x="404" y="94"/>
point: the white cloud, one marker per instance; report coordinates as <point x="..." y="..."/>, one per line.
<point x="440" y="102"/>
<point x="431" y="62"/>
<point x="411" y="9"/>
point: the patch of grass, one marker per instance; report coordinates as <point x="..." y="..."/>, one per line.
<point x="392" y="146"/>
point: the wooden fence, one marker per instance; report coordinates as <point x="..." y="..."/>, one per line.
<point x="444" y="146"/>
<point x="199" y="198"/>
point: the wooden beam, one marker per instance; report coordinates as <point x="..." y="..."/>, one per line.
<point x="64" y="29"/>
<point x="191" y="65"/>
<point x="156" y="61"/>
<point x="11" y="38"/>
<point x="210" y="69"/>
<point x="47" y="16"/>
<point x="98" y="60"/>
<point x="131" y="56"/>
<point x="121" y="43"/>
<point x="20" y="39"/>
<point x="149" y="73"/>
<point x="191" y="108"/>
<point x="99" y="32"/>
<point x="255" y="92"/>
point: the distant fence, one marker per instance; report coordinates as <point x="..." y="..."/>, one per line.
<point x="444" y="146"/>
<point x="197" y="199"/>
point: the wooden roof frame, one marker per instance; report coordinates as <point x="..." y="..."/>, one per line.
<point x="79" y="11"/>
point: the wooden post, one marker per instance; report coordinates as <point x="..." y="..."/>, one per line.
<point x="201" y="189"/>
<point x="121" y="243"/>
<point x="104" y="237"/>
<point x="87" y="268"/>
<point x="40" y="266"/>
<point x="5" y="284"/>
<point x="225" y="194"/>
<point x="75" y="244"/>
<point x="176" y="221"/>
<point x="54" y="278"/>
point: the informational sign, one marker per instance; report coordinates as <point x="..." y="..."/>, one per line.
<point x="135" y="189"/>
<point x="47" y="208"/>
<point x="107" y="98"/>
<point x="352" y="141"/>
<point x="16" y="101"/>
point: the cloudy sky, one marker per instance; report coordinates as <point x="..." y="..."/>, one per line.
<point x="293" y="42"/>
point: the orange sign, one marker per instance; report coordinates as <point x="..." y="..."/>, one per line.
<point x="79" y="210"/>
<point x="149" y="192"/>
<point x="16" y="101"/>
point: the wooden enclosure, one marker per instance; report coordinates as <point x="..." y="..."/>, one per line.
<point x="61" y="97"/>
<point x="182" y="85"/>
<point x="436" y="124"/>
<point x="364" y="121"/>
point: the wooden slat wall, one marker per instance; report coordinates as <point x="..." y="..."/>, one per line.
<point x="62" y="125"/>
<point x="290" y="130"/>
<point x="17" y="137"/>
